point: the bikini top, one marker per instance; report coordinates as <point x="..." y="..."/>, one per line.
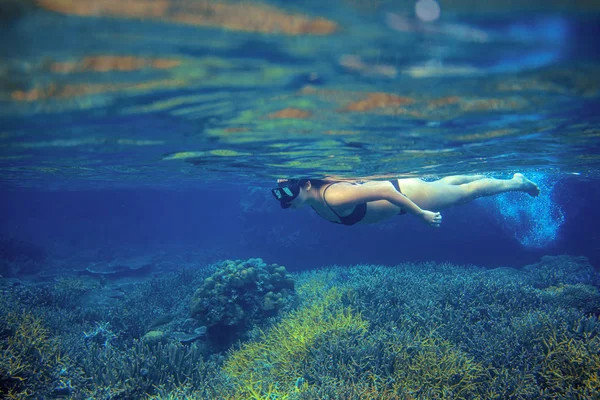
<point x="359" y="212"/>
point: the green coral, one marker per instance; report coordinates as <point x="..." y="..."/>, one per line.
<point x="272" y="367"/>
<point x="67" y="291"/>
<point x="154" y="337"/>
<point x="139" y="369"/>
<point x="581" y="296"/>
<point x="358" y="332"/>
<point x="431" y="367"/>
<point x="557" y="270"/>
<point x="571" y="366"/>
<point x="30" y="356"/>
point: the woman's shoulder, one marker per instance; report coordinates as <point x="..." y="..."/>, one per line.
<point x="340" y="185"/>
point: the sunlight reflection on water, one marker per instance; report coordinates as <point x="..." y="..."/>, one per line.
<point x="166" y="88"/>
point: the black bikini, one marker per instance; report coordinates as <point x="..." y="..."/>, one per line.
<point x="360" y="210"/>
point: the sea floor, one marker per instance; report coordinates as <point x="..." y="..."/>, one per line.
<point x="248" y="329"/>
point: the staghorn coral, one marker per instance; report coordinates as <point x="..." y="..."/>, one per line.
<point x="556" y="270"/>
<point x="187" y="392"/>
<point x="583" y="297"/>
<point x="432" y="367"/>
<point x="30" y="357"/>
<point x="273" y="365"/>
<point x="363" y="332"/>
<point x="67" y="291"/>
<point x="135" y="371"/>
<point x="391" y="364"/>
<point x="571" y="366"/>
<point x="100" y="335"/>
<point x="157" y="298"/>
<point x="494" y="321"/>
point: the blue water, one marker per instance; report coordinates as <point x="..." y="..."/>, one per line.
<point x="140" y="140"/>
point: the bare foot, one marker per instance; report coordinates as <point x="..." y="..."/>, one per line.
<point x="527" y="186"/>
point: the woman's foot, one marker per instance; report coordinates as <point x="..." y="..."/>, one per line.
<point x="525" y="185"/>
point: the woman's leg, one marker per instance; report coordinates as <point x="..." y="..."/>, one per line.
<point x="437" y="195"/>
<point x="460" y="179"/>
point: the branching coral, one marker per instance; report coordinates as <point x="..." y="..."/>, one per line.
<point x="135" y="371"/>
<point x="101" y="334"/>
<point x="557" y="270"/>
<point x="273" y="365"/>
<point x="571" y="367"/>
<point x="412" y="331"/>
<point x="581" y="296"/>
<point x="30" y="358"/>
<point x="431" y="367"/>
<point x="67" y="291"/>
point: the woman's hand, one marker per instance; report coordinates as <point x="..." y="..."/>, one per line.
<point x="432" y="218"/>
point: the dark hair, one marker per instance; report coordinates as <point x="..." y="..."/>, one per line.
<point x="288" y="189"/>
<point x="316" y="183"/>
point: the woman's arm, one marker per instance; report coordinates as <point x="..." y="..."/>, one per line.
<point x="347" y="195"/>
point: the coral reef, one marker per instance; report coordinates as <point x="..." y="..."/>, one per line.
<point x="159" y="302"/>
<point x="133" y="372"/>
<point x="556" y="270"/>
<point x="584" y="297"/>
<point x="30" y="356"/>
<point x="240" y="294"/>
<point x="570" y="368"/>
<point x="275" y="364"/>
<point x="20" y="257"/>
<point x="68" y="291"/>
<point x="415" y="331"/>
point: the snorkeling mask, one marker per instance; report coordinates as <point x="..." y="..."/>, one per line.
<point x="286" y="192"/>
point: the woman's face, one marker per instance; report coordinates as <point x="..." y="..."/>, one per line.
<point x="292" y="195"/>
<point x="300" y="200"/>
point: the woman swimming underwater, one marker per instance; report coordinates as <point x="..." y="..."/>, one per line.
<point x="367" y="202"/>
